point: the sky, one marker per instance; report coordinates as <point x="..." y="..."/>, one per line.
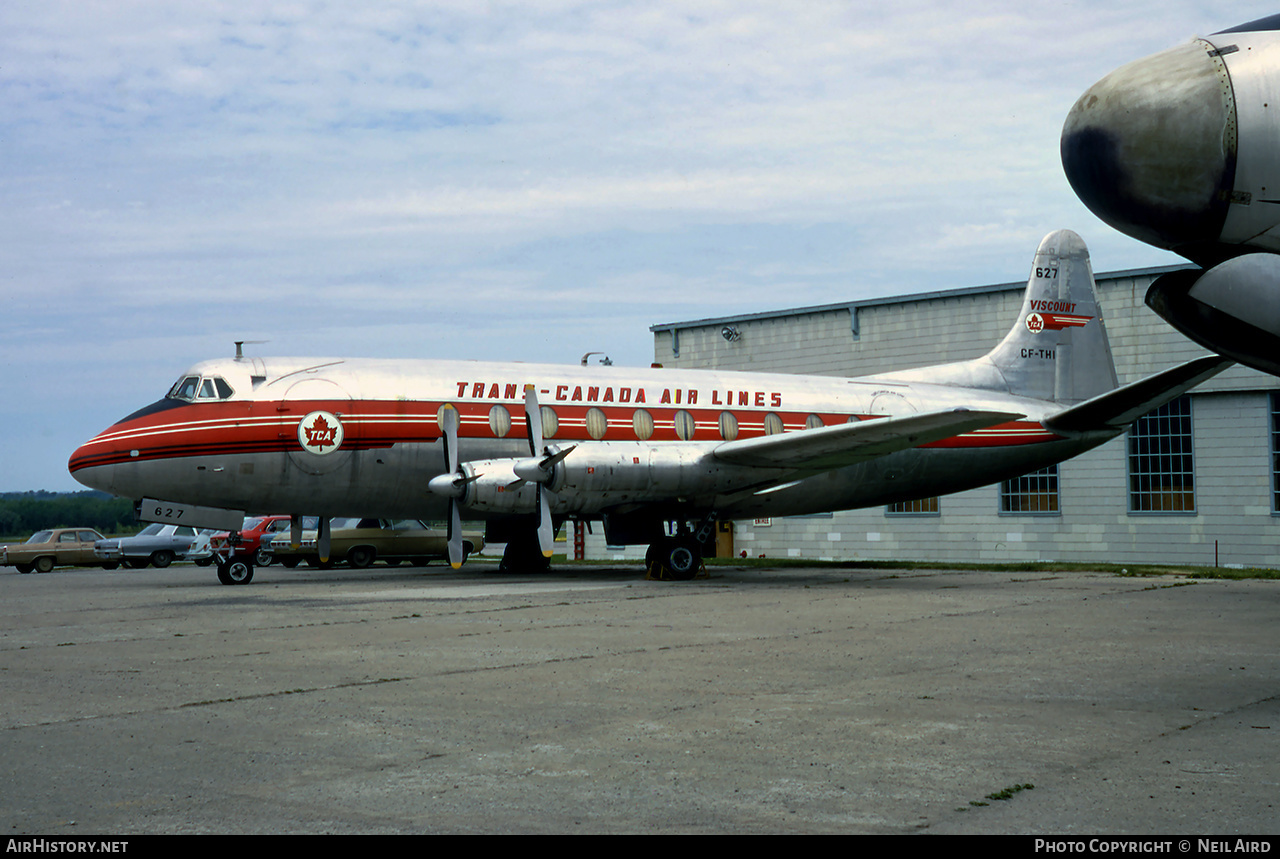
<point x="510" y="181"/>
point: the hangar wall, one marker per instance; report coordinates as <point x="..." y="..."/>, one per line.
<point x="1234" y="517"/>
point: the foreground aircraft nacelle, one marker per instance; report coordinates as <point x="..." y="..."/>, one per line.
<point x="1182" y="150"/>
<point x="644" y="451"/>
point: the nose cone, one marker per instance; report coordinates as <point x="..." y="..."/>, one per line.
<point x="1151" y="149"/>
<point x="92" y="465"/>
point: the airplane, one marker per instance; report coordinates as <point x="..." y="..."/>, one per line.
<point x="657" y="455"/>
<point x="1181" y="150"/>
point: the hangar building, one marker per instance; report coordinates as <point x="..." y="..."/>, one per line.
<point x="1194" y="482"/>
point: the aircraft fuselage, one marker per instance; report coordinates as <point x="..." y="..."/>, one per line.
<point x="642" y="436"/>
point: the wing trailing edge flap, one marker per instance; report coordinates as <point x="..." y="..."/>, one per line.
<point x="825" y="448"/>
<point x="1124" y="405"/>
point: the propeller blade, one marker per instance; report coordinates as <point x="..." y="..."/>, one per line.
<point x="455" y="535"/>
<point x="546" y="535"/>
<point x="533" y="420"/>
<point x="295" y="532"/>
<point x="449" y="423"/>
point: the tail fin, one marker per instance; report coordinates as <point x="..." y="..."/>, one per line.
<point x="1057" y="349"/>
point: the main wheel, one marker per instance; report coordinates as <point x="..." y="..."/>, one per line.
<point x="236" y="571"/>
<point x="683" y="560"/>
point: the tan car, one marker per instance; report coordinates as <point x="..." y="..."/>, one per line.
<point x="56" y="547"/>
<point x="360" y="542"/>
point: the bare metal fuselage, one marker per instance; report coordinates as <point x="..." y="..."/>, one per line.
<point x="642" y="437"/>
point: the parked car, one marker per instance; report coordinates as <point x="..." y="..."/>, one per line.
<point x="56" y="547"/>
<point x="157" y="545"/>
<point x="359" y="542"/>
<point x="255" y="531"/>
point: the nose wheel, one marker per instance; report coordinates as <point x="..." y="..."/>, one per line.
<point x="235" y="571"/>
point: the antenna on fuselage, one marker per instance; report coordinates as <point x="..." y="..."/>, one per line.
<point x="240" y="347"/>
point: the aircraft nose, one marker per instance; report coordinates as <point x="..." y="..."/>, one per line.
<point x="88" y="466"/>
<point x="1151" y="148"/>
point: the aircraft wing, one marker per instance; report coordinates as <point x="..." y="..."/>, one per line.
<point x="1124" y="405"/>
<point x="825" y="448"/>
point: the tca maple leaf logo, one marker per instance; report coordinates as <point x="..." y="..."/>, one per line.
<point x="320" y="432"/>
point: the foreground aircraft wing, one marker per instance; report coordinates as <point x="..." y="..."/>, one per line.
<point x="825" y="448"/>
<point x="1124" y="405"/>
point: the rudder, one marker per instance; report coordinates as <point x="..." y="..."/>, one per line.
<point x="1058" y="348"/>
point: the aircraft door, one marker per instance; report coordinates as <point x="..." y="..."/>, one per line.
<point x="904" y="464"/>
<point x="320" y="430"/>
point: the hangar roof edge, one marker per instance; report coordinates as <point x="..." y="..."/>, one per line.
<point x="901" y="299"/>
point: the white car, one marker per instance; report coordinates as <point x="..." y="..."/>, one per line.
<point x="157" y="545"/>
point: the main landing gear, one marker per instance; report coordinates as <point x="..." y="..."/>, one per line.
<point x="524" y="555"/>
<point x="674" y="558"/>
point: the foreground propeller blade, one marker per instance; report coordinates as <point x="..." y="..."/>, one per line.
<point x="455" y="535"/>
<point x="452" y="484"/>
<point x="449" y="423"/>
<point x="546" y="534"/>
<point x="533" y="420"/>
<point x="295" y="532"/>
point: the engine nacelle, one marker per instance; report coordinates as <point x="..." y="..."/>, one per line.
<point x="599" y="476"/>
<point x="1181" y="150"/>
<point x="1233" y="308"/>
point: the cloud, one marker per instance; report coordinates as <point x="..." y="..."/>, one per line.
<point x="465" y="180"/>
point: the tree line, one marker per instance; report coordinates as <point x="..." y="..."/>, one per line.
<point x="23" y="513"/>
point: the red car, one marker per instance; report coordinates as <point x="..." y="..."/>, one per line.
<point x="252" y="533"/>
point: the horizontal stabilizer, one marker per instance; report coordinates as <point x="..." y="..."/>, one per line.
<point x="824" y="448"/>
<point x="1124" y="405"/>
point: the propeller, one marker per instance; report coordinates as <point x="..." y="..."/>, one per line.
<point x="539" y="468"/>
<point x="452" y="484"/>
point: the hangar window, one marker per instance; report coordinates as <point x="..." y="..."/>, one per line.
<point x="1275" y="453"/>
<point x="1035" y="493"/>
<point x="1161" y="466"/>
<point x="918" y="507"/>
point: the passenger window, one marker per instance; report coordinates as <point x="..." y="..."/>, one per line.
<point x="499" y="421"/>
<point x="684" y="425"/>
<point x="550" y="422"/>
<point x="642" y="422"/>
<point x="597" y="423"/>
<point x="728" y="426"/>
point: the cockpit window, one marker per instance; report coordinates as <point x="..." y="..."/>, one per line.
<point x="193" y="388"/>
<point x="185" y="388"/>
